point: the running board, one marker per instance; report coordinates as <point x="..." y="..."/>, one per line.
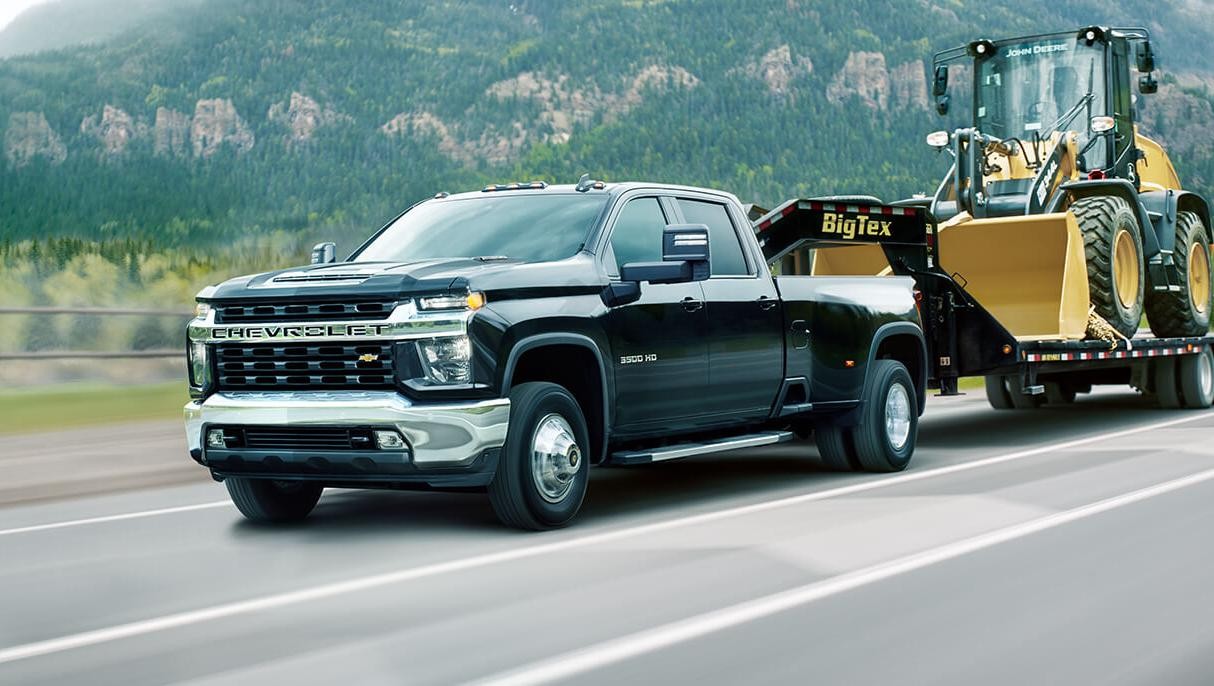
<point x="674" y="452"/>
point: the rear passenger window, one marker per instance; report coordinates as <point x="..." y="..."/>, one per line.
<point x="724" y="248"/>
<point x="637" y="236"/>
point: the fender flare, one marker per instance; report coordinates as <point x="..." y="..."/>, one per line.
<point x="1120" y="188"/>
<point x="544" y="339"/>
<point x="1188" y="201"/>
<point x="903" y="328"/>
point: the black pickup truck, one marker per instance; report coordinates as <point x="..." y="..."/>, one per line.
<point x="510" y="338"/>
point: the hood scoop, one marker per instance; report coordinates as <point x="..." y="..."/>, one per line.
<point x="320" y="278"/>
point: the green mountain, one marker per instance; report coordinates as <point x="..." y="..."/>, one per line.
<point x="205" y="121"/>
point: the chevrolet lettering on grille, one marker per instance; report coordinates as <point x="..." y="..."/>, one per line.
<point x="298" y="331"/>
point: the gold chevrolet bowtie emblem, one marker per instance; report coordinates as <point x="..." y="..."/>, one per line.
<point x="368" y="357"/>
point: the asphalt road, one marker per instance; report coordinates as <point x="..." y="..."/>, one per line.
<point x="1060" y="546"/>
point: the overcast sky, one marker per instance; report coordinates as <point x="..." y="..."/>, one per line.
<point x="9" y="9"/>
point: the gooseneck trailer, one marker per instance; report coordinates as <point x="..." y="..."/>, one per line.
<point x="964" y="338"/>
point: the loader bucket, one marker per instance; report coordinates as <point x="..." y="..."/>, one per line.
<point x="849" y="260"/>
<point x="1029" y="272"/>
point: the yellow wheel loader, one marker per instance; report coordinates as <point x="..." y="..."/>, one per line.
<point x="1056" y="208"/>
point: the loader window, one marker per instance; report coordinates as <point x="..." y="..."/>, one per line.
<point x="1041" y="87"/>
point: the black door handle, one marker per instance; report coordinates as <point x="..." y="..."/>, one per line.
<point x="766" y="303"/>
<point x="692" y="305"/>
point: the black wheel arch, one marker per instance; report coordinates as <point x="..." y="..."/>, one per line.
<point x="904" y="342"/>
<point x="598" y="418"/>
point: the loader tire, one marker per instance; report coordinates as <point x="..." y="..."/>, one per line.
<point x="1112" y="244"/>
<point x="1186" y="312"/>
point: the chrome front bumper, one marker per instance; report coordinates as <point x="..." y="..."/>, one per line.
<point x="439" y="435"/>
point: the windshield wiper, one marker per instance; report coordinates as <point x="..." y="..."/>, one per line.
<point x="1070" y="115"/>
<point x="491" y="258"/>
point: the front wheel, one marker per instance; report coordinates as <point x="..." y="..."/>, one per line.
<point x="544" y="466"/>
<point x="270" y="501"/>
<point x="1113" y="249"/>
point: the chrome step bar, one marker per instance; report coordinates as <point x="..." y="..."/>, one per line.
<point x="674" y="452"/>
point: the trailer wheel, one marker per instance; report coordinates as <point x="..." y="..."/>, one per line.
<point x="1185" y="312"/>
<point x="835" y="447"/>
<point x="543" y="470"/>
<point x="1058" y="393"/>
<point x="996" y="393"/>
<point x="1112" y="245"/>
<point x="1020" y="399"/>
<point x="1166" y="387"/>
<point x="1196" y="376"/>
<point x="889" y="423"/>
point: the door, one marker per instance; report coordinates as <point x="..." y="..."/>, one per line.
<point x="745" y="321"/>
<point x="659" y="343"/>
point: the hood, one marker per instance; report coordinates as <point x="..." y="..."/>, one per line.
<point x="402" y="279"/>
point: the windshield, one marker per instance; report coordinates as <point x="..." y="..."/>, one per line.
<point x="1039" y="87"/>
<point x="533" y="228"/>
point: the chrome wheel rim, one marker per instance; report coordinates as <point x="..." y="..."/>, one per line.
<point x="897" y="416"/>
<point x="555" y="457"/>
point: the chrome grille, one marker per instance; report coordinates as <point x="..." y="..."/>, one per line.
<point x="307" y="367"/>
<point x="304" y="312"/>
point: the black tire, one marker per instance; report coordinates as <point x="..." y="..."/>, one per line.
<point x="1020" y="399"/>
<point x="996" y="393"/>
<point x="876" y="450"/>
<point x="516" y="492"/>
<point x="1185" y="312"/>
<point x="1059" y="393"/>
<point x="1102" y="219"/>
<point x="1196" y="376"/>
<point x="269" y="501"/>
<point x="1166" y="387"/>
<point x="836" y="448"/>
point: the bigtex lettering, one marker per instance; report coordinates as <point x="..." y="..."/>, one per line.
<point x="298" y="331"/>
<point x="850" y="227"/>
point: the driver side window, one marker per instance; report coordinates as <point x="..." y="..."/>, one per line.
<point x="637" y="236"/>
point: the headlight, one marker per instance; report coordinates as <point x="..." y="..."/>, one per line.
<point x="452" y="301"/>
<point x="446" y="361"/>
<point x="201" y="310"/>
<point x="200" y="364"/>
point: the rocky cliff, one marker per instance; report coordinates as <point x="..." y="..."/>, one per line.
<point x="115" y="131"/>
<point x="30" y="136"/>
<point x="216" y="124"/>
<point x="302" y="116"/>
<point x="865" y="76"/>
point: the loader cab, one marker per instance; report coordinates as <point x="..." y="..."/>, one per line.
<point x="1034" y="90"/>
<point x="1035" y="93"/>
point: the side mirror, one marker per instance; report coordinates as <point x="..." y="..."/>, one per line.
<point x="324" y="253"/>
<point x="942" y="105"/>
<point x="1146" y="57"/>
<point x="940" y="82"/>
<point x="685" y="257"/>
<point x="1147" y="84"/>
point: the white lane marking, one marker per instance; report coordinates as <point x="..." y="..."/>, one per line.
<point x="601" y="655"/>
<point x="116" y="517"/>
<point x="147" y="626"/>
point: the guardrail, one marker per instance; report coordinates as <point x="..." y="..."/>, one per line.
<point x="91" y="354"/>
